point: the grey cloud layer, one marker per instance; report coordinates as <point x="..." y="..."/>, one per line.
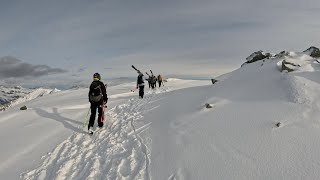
<point x="169" y="33"/>
<point x="12" y="67"/>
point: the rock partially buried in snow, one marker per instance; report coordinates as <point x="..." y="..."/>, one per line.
<point x="289" y="66"/>
<point x="208" y="106"/>
<point x="256" y="56"/>
<point x="278" y="124"/>
<point x="282" y="54"/>
<point x="214" y="81"/>
<point x="23" y="108"/>
<point x="313" y="52"/>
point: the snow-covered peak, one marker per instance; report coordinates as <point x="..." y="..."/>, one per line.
<point x="54" y="90"/>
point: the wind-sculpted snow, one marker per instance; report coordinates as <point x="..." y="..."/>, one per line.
<point x="114" y="152"/>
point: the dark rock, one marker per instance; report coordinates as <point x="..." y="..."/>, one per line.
<point x="257" y="56"/>
<point x="286" y="66"/>
<point x="214" y="81"/>
<point x="208" y="106"/>
<point x="313" y="52"/>
<point x="23" y="108"/>
<point x="282" y="54"/>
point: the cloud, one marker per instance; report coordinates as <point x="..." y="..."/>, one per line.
<point x="186" y="37"/>
<point x="11" y="67"/>
<point x="81" y="70"/>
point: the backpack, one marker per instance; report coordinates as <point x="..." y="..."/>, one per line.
<point x="96" y="93"/>
<point x="153" y="79"/>
<point x="140" y="80"/>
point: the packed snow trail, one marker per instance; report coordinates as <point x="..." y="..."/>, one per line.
<point x="115" y="152"/>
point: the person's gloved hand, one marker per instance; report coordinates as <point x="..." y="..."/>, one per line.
<point x="105" y="100"/>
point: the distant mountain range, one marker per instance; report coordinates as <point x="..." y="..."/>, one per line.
<point x="10" y="96"/>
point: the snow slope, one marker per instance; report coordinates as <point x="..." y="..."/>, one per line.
<point x="171" y="135"/>
<point x="25" y="136"/>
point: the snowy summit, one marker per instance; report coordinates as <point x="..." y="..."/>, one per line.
<point x="260" y="121"/>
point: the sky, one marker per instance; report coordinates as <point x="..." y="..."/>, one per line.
<point x="193" y="39"/>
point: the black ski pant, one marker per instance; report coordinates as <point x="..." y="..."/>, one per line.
<point x="149" y="84"/>
<point x="160" y="82"/>
<point x="153" y="85"/>
<point x="141" y="91"/>
<point x="94" y="106"/>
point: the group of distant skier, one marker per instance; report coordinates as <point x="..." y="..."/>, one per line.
<point x="152" y="81"/>
<point x="98" y="95"/>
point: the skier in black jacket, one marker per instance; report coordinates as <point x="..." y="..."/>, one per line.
<point x="140" y="84"/>
<point x="97" y="98"/>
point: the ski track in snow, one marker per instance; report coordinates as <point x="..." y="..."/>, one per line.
<point x="114" y="152"/>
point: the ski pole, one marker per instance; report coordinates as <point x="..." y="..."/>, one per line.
<point x="86" y="120"/>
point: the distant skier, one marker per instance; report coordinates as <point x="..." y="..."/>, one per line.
<point x="159" y="80"/>
<point x="153" y="82"/>
<point x="140" y="84"/>
<point x="149" y="81"/>
<point x="97" y="98"/>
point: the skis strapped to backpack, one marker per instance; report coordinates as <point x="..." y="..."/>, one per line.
<point x="134" y="68"/>
<point x="153" y="78"/>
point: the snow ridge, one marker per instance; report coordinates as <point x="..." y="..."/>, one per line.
<point x="114" y="152"/>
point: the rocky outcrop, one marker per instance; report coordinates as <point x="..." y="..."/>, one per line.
<point x="289" y="66"/>
<point x="313" y="52"/>
<point x="282" y="54"/>
<point x="257" y="56"/>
